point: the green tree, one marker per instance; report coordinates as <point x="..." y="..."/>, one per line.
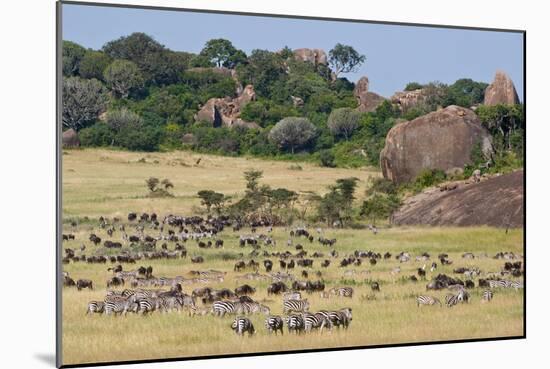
<point x="93" y="64"/>
<point x="503" y="121"/>
<point x="222" y="52"/>
<point x="135" y="47"/>
<point x="343" y="122"/>
<point x="122" y="77"/>
<point x="211" y="199"/>
<point x="262" y="70"/>
<point x="411" y="86"/>
<point x="123" y="119"/>
<point x="336" y="207"/>
<point x="72" y="54"/>
<point x="292" y="133"/>
<point x="83" y="101"/>
<point x="345" y="59"/>
<point x="465" y="92"/>
<point x="379" y="206"/>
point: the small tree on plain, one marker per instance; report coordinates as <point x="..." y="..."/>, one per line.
<point x="292" y="133"/>
<point x="345" y="59"/>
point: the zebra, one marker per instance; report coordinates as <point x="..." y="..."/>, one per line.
<point x="241" y="325"/>
<point x="95" y="307"/>
<point x="340" y="318"/>
<point x="252" y="307"/>
<point x="149" y="305"/>
<point x="342" y="291"/>
<point x="433" y="267"/>
<point x="274" y="324"/>
<point x="120" y="306"/>
<point x="295" y="323"/>
<point x="293" y="295"/>
<point x="453" y="299"/>
<point x="295" y="306"/>
<point x="171" y="303"/>
<point x="487" y="296"/>
<point x="317" y="320"/>
<point x="220" y="308"/>
<point x="427" y="300"/>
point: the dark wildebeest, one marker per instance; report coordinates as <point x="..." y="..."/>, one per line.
<point x="115" y="281"/>
<point x="197" y="259"/>
<point x="239" y="266"/>
<point x="268" y="264"/>
<point x="245" y="289"/>
<point x="84" y="283"/>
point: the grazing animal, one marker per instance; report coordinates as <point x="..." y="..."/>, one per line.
<point x="268" y="264"/>
<point x="84" y="283"/>
<point x="293" y="295"/>
<point x="487" y="296"/>
<point x="245" y="290"/>
<point x="316" y="321"/>
<point x="375" y="286"/>
<point x="295" y="323"/>
<point x="340" y="318"/>
<point x="342" y="291"/>
<point x="274" y="323"/>
<point x="427" y="300"/>
<point x="95" y="307"/>
<point x="298" y="306"/>
<point x="242" y="325"/>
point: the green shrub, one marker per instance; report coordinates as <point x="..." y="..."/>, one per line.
<point x="327" y="158"/>
<point x="99" y="134"/>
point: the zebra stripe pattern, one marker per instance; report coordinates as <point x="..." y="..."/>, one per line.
<point x="274" y="324"/>
<point x="241" y="325"/>
<point x="342" y="291"/>
<point x="316" y="321"/>
<point x="295" y="306"/>
<point x="295" y="323"/>
<point x="340" y="318"/>
<point x="427" y="300"/>
<point x="502" y="283"/>
<point x="487" y="296"/>
<point x="95" y="307"/>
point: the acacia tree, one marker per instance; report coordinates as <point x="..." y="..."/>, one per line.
<point x="343" y="122"/>
<point x="123" y="118"/>
<point x="83" y="101"/>
<point x="123" y="76"/>
<point x="292" y="133"/>
<point x="213" y="199"/>
<point x="223" y="53"/>
<point x="93" y="64"/>
<point x="345" y="59"/>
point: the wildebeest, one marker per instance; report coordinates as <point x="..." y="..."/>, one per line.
<point x="245" y="289"/>
<point x="268" y="264"/>
<point x="197" y="259"/>
<point x="276" y="288"/>
<point x="115" y="281"/>
<point x="84" y="283"/>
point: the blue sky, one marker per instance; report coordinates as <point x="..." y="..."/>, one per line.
<point x="395" y="54"/>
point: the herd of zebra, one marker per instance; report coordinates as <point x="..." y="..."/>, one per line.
<point x="297" y="315"/>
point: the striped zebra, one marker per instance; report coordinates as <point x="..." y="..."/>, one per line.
<point x="220" y="308"/>
<point x="453" y="299"/>
<point x="171" y="303"/>
<point x="502" y="283"/>
<point x="316" y="321"/>
<point x="274" y="324"/>
<point x="340" y="318"/>
<point x="242" y="325"/>
<point x="146" y="294"/>
<point x="298" y="306"/>
<point x="295" y="323"/>
<point x="95" y="307"/>
<point x="292" y="295"/>
<point x="487" y="296"/>
<point x="342" y="291"/>
<point x="149" y="305"/>
<point x="427" y="300"/>
<point x="253" y="307"/>
<point x="120" y="306"/>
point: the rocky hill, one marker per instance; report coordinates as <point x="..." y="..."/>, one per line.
<point x="496" y="201"/>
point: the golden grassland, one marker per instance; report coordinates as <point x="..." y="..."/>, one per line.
<point x="92" y="187"/>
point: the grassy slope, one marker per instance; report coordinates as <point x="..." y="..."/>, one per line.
<point x="391" y="317"/>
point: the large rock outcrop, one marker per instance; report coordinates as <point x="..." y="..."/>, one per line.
<point x="69" y="138"/>
<point x="501" y="91"/>
<point x="366" y="101"/>
<point x="226" y="111"/>
<point x="315" y="56"/>
<point x="443" y="140"/>
<point x="496" y="202"/>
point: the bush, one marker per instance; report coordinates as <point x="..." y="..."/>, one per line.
<point x="292" y="133"/>
<point x="99" y="134"/>
<point x="146" y="138"/>
<point x="382" y="185"/>
<point x="343" y="122"/>
<point x="429" y="178"/>
<point x="327" y="158"/>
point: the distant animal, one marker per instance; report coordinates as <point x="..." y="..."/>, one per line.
<point x="84" y="283"/>
<point x="273" y="324"/>
<point x="342" y="291"/>
<point x="295" y="323"/>
<point x="95" y="307"/>
<point x="487" y="296"/>
<point x="295" y="306"/>
<point x="427" y="300"/>
<point x="242" y="325"/>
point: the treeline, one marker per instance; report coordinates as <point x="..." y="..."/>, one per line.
<point x="136" y="94"/>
